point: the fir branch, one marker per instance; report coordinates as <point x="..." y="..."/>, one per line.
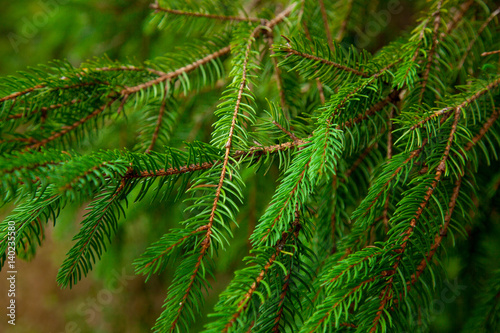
<point x="459" y="15"/>
<point x="66" y="129"/>
<point x="157" y="8"/>
<point x="439" y="236"/>
<point x="253" y="152"/>
<point x="278" y="248"/>
<point x="21" y="93"/>
<point x="100" y="221"/>
<point x="125" y="68"/>
<point x="391" y="98"/>
<point x="158" y="125"/>
<point x="178" y="72"/>
<point x="464" y="104"/>
<point x="277" y="69"/>
<point x="351" y="292"/>
<point x="475" y="39"/>
<point x="386" y="294"/>
<point x="432" y="51"/>
<point x="486" y="126"/>
<point x="292" y="51"/>
<point x="318" y="82"/>
<point x="43" y="109"/>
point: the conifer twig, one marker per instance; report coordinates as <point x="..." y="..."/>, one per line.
<point x="448" y="109"/>
<point x="277" y="70"/>
<point x="486" y="126"/>
<point x="294" y="230"/>
<point x="484" y="54"/>
<point x="439" y="236"/>
<point x="127" y="68"/>
<point x="180" y="71"/>
<point x="158" y="125"/>
<point x="478" y="33"/>
<point x="324" y="61"/>
<point x="458" y="17"/>
<point x="318" y="82"/>
<point x="324" y="17"/>
<point x="44" y="109"/>
<point x="21" y="93"/>
<point x="66" y="129"/>
<point x="157" y="8"/>
<point x="430" y="56"/>
<point x="343" y="26"/>
<point x="386" y="294"/>
<point x="284" y="130"/>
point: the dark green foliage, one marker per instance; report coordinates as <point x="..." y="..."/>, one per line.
<point x="385" y="155"/>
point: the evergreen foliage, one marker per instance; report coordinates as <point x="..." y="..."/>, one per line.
<point x="388" y="158"/>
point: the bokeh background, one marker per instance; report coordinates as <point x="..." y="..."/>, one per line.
<point x="112" y="298"/>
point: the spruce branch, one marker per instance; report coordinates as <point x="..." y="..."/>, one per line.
<point x="157" y="8"/>
<point x="486" y="126"/>
<point x="21" y="93"/>
<point x="66" y="129"/>
<point x="479" y="93"/>
<point x="178" y="72"/>
<point x="387" y="294"/>
<point x="438" y="238"/>
<point x="290" y="51"/>
<point x="475" y="39"/>
<point x="158" y="125"/>
<point x="432" y="51"/>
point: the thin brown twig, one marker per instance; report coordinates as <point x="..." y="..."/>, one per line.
<point x="318" y="82"/>
<point x="277" y="70"/>
<point x="290" y="51"/>
<point x="157" y="8"/>
<point x="65" y="129"/>
<point x="343" y="26"/>
<point x="158" y="125"/>
<point x="294" y="230"/>
<point x="439" y="236"/>
<point x="125" y="68"/>
<point x="484" y="54"/>
<point x="284" y="130"/>
<point x="324" y="17"/>
<point x="458" y="17"/>
<point x="43" y="109"/>
<point x="432" y="52"/>
<point x="475" y="39"/>
<point x="392" y="97"/>
<point x="180" y="71"/>
<point x="20" y="93"/>
<point x="486" y="126"/>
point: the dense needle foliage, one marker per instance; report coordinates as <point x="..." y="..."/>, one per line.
<point x="386" y="158"/>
